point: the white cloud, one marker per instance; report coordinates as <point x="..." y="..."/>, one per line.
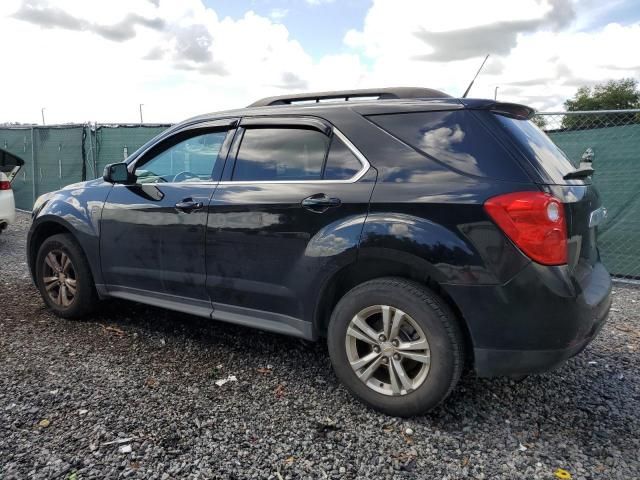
<point x="195" y="63"/>
<point x="278" y="14"/>
<point x="95" y="60"/>
<point x="538" y="57"/>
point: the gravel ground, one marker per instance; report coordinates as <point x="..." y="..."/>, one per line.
<point x="131" y="393"/>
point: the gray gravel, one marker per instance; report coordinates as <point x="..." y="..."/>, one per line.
<point x="131" y="393"/>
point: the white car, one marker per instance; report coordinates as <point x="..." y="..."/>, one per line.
<point x="9" y="167"/>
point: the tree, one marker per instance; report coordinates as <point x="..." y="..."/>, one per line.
<point x="611" y="95"/>
<point x="540" y="121"/>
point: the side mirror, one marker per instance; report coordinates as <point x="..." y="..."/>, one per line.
<point x="117" y="173"/>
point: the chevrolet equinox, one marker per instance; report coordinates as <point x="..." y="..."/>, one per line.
<point x="416" y="232"/>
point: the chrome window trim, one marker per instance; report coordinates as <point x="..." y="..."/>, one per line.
<point x="167" y="184"/>
<point x="361" y="158"/>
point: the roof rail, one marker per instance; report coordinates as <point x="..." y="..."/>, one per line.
<point x="346" y="95"/>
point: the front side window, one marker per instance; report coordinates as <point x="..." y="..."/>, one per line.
<point x="191" y="160"/>
<point x="277" y="154"/>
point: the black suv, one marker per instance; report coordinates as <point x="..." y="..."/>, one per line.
<point x="415" y="231"/>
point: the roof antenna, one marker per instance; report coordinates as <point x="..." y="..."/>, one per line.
<point x="474" y="78"/>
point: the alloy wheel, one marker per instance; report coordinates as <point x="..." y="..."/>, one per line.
<point x="59" y="278"/>
<point x="388" y="350"/>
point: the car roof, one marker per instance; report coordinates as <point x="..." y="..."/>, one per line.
<point x="330" y="110"/>
<point x="347" y="95"/>
<point x="370" y="101"/>
<point x="321" y="109"/>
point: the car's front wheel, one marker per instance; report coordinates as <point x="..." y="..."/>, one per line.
<point x="64" y="278"/>
<point x="396" y="345"/>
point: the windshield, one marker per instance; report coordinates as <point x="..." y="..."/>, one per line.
<point x="539" y="148"/>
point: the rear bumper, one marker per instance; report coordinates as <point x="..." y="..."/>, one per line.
<point x="491" y="362"/>
<point x="536" y="321"/>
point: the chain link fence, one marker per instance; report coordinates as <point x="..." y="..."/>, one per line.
<point x="611" y="140"/>
<point x="56" y="156"/>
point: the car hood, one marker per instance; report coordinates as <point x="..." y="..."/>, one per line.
<point x="85" y="184"/>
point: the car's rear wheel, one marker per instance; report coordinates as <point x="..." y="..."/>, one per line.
<point x="396" y="345"/>
<point x="64" y="278"/>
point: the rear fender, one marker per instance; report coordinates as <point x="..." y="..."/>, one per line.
<point x="444" y="254"/>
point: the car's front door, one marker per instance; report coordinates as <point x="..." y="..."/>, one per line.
<point x="152" y="240"/>
<point x="287" y="215"/>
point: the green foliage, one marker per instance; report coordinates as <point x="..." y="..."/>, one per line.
<point x="540" y="121"/>
<point x="612" y="95"/>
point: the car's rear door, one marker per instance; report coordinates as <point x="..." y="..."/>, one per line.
<point x="152" y="240"/>
<point x="287" y="215"/>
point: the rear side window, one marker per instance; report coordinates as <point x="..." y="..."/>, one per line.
<point x="268" y="154"/>
<point x="539" y="148"/>
<point x="342" y="164"/>
<point x="456" y="139"/>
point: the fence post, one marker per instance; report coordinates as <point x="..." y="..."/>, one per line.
<point x="94" y="166"/>
<point x="33" y="168"/>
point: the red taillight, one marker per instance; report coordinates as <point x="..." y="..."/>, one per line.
<point x="535" y="222"/>
<point x="5" y="185"/>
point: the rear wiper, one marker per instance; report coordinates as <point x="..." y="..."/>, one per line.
<point x="582" y="172"/>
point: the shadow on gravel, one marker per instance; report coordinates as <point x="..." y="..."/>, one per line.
<point x="159" y="321"/>
<point x="539" y="397"/>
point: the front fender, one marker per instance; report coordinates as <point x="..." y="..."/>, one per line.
<point x="77" y="210"/>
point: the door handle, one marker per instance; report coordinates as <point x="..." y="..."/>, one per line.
<point x="320" y="203"/>
<point x="188" y="205"/>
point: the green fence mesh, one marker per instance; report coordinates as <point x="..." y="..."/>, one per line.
<point x="612" y="141"/>
<point x="59" y="159"/>
<point x="56" y="156"/>
<point x="19" y="141"/>
<point x="112" y="143"/>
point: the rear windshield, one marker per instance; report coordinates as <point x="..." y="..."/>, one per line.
<point x="455" y="138"/>
<point x="538" y="147"/>
<point x="9" y="164"/>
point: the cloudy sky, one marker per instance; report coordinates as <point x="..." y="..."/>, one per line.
<point x="97" y="60"/>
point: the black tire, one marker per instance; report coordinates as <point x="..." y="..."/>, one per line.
<point x="85" y="297"/>
<point x="433" y="316"/>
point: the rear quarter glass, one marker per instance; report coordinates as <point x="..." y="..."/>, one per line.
<point x="341" y="163"/>
<point x="456" y="139"/>
<point x="539" y="149"/>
